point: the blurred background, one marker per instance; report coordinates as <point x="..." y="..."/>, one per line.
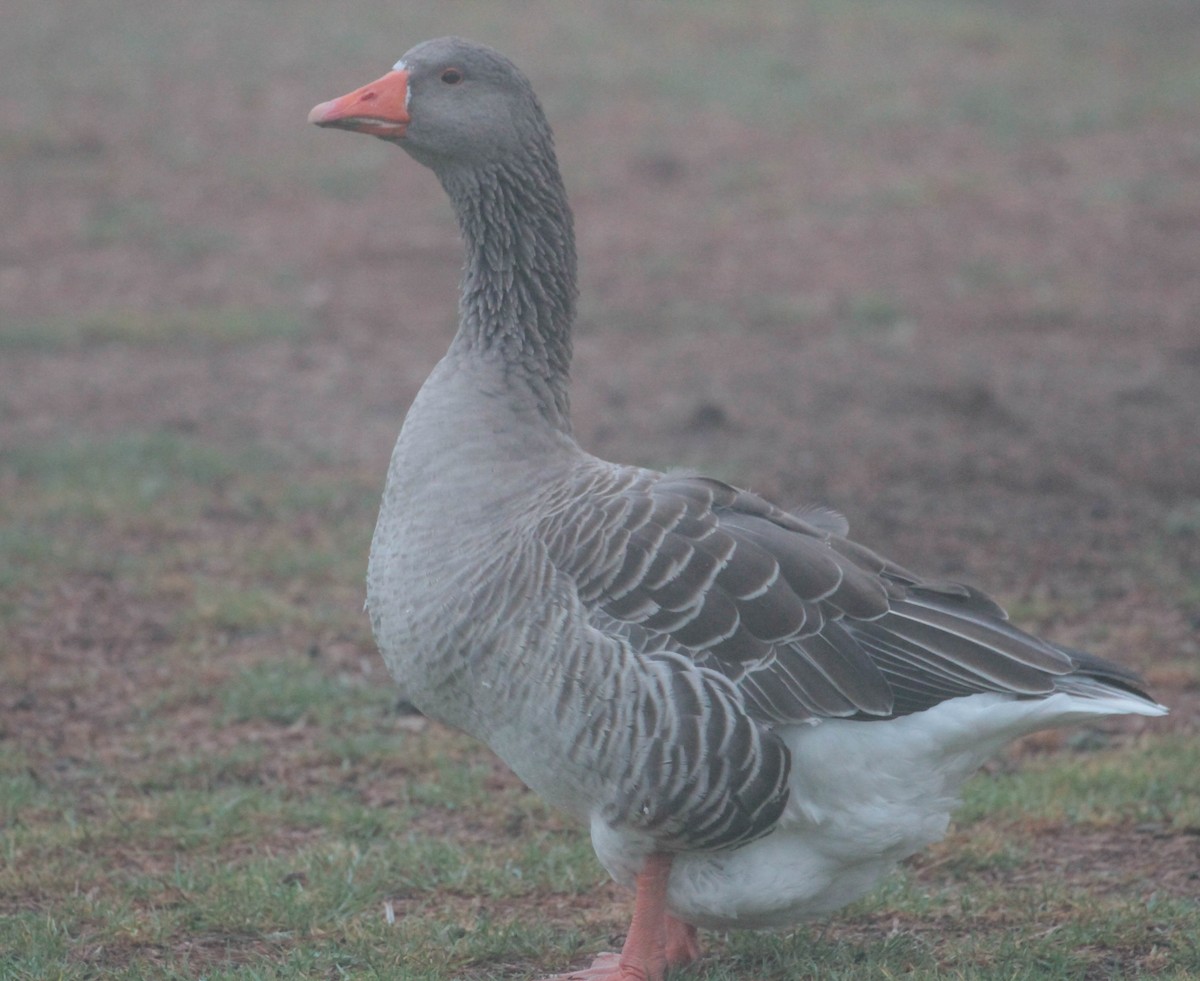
<point x="933" y="263"/>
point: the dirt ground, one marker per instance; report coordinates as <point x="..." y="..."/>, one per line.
<point x="984" y="351"/>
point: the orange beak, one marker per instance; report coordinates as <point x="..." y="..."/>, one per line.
<point x="379" y="109"/>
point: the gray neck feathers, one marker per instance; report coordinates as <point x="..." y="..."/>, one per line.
<point x="518" y="285"/>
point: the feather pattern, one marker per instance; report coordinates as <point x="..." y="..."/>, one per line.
<point x="806" y="623"/>
<point x="677" y="661"/>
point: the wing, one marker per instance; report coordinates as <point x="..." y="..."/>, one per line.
<point x="806" y="623"/>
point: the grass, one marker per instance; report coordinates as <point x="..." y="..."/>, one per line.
<point x="193" y="327"/>
<point x="1147" y="783"/>
<point x="141" y="222"/>
<point x="855" y="63"/>
<point x="866" y="63"/>
<point x="206" y="863"/>
<point x="284" y="694"/>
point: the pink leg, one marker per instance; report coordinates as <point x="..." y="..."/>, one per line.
<point x="656" y="939"/>
<point x="682" y="945"/>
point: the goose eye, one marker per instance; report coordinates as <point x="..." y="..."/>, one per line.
<point x="452" y="76"/>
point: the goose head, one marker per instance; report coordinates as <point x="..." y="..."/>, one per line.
<point x="447" y="102"/>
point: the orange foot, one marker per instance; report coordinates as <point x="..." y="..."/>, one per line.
<point x="682" y="947"/>
<point x="656" y="939"/>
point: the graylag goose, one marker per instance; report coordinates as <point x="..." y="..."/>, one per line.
<point x="755" y="716"/>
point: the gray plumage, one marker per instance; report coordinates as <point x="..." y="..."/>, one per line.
<point x="635" y="645"/>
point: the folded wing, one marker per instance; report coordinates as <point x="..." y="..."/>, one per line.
<point x="805" y="622"/>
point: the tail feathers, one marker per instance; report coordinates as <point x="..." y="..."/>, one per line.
<point x="1102" y="681"/>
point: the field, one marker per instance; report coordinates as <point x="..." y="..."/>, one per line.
<point x="933" y="263"/>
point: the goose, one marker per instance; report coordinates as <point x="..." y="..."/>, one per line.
<point x="755" y="716"/>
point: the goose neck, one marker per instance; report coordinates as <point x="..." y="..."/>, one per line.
<point x="518" y="289"/>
